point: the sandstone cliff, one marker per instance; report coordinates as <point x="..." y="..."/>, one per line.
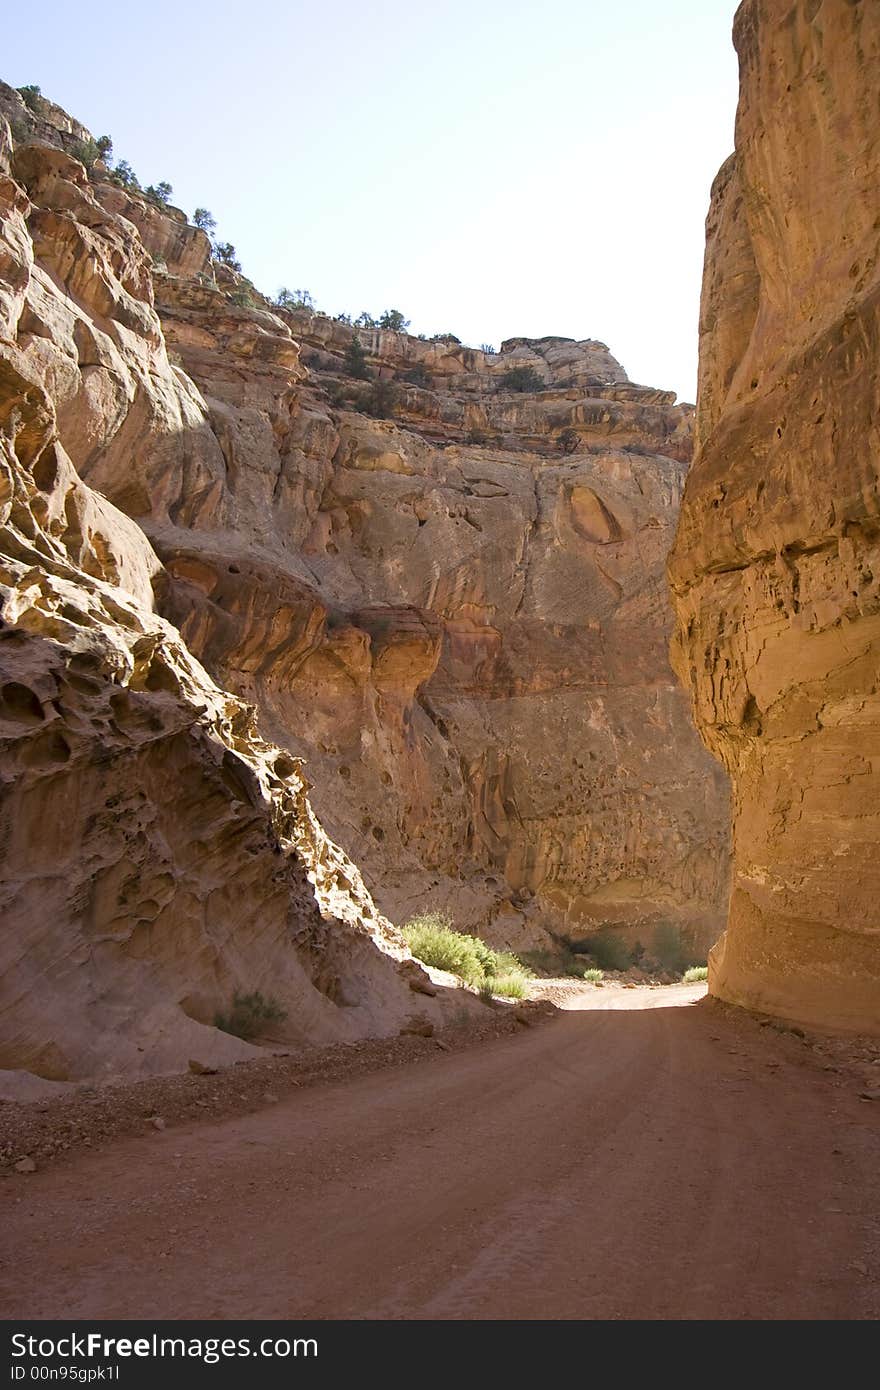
<point x="775" y="568"/>
<point x="456" y="615"/>
<point x="158" y="854"/>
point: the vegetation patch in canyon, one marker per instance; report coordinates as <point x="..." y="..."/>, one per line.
<point x="433" y="940"/>
<point x="250" y="1015"/>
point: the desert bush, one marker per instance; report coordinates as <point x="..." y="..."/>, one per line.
<point x="568" y="441"/>
<point x="432" y="939"/>
<point x="506" y="963"/>
<point x="511" y="986"/>
<point x="159" y="193"/>
<point x="608" y="950"/>
<point x="393" y="319"/>
<point x="245" y="298"/>
<point x="294" y="299"/>
<point x="87" y="152"/>
<point x="104" y="144"/>
<point x="224" y="252"/>
<point x="354" y="360"/>
<point x="695" y="974"/>
<point x="31" y="96"/>
<point x="521" y="379"/>
<point x="380" y="400"/>
<point x="249" y="1015"/>
<point x="594" y="977"/>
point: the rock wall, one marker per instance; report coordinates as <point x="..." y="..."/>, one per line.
<point x="457" y="616"/>
<point x="158" y="854"/>
<point x="776" y="565"/>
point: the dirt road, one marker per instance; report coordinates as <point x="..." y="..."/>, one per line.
<point x="649" y="1157"/>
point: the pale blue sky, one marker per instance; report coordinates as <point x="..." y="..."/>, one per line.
<point x="490" y="168"/>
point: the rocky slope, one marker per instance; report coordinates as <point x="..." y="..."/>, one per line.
<point x="457" y="615"/>
<point x="158" y="853"/>
<point x="775" y="569"/>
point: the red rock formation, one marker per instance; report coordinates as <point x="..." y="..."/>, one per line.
<point x="775" y="568"/>
<point x="158" y="854"/>
<point x="525" y="759"/>
<point x="456" y="615"/>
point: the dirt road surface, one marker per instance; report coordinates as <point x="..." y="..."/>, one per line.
<point x="649" y="1156"/>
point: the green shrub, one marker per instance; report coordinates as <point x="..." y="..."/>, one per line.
<point x="594" y="977"/>
<point x="509" y="986"/>
<point x="159" y="193"/>
<point x="380" y="400"/>
<point x="87" y="152"/>
<point x="432" y="939"/>
<point x="609" y="951"/>
<point x="294" y="299"/>
<point x="224" y="252"/>
<point x="31" y="96"/>
<point x="695" y="974"/>
<point x="568" y="441"/>
<point x="393" y="319"/>
<point x="244" y="298"/>
<point x="354" y="360"/>
<point x="521" y="379"/>
<point x="506" y="963"/>
<point x="249" y="1015"/>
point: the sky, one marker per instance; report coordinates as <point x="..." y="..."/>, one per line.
<point x="491" y="168"/>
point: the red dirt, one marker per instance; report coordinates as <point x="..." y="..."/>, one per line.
<point x="645" y="1157"/>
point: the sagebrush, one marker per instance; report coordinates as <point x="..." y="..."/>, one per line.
<point x="249" y="1015"/>
<point x="433" y="939"/>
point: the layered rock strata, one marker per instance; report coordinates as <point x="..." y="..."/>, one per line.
<point x="158" y="854"/>
<point x="776" y="564"/>
<point x="456" y="615"/>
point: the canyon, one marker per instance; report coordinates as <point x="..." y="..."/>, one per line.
<point x="308" y="627"/>
<point x="237" y="586"/>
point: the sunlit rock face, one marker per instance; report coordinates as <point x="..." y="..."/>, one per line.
<point x="458" y="616"/>
<point x="158" y="852"/>
<point x="454" y="611"/>
<point x="776" y="565"/>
